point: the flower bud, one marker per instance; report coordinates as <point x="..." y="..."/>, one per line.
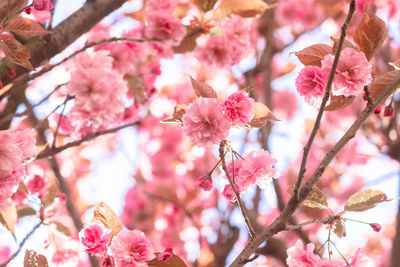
<point x="165" y="255"/>
<point x="375" y="226"/>
<point x="378" y="110"/>
<point x="28" y="10"/>
<point x="389" y="112"/>
<point x="11" y="73"/>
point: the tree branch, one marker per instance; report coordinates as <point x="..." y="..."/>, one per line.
<point x="4" y="264"/>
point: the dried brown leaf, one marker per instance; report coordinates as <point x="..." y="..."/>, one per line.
<point x="202" y="89"/>
<point x="62" y="228"/>
<point x="315" y="199"/>
<point x="16" y="52"/>
<point x="25" y="211"/>
<point x="346" y="44"/>
<point x="25" y="26"/>
<point x="205" y="5"/>
<point x="339" y="102"/>
<point x="9" y="218"/>
<point x="33" y="259"/>
<point x="365" y="200"/>
<point x="52" y="193"/>
<point x="105" y="215"/>
<point x="370" y="34"/>
<point x="380" y="83"/>
<point x="261" y="116"/>
<point x="312" y="55"/>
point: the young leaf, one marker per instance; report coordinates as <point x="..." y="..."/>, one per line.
<point x="365" y="200"/>
<point x="16" y="52"/>
<point x="52" y="192"/>
<point x="105" y="215"/>
<point x="205" y="5"/>
<point x="174" y="261"/>
<point x="370" y="34"/>
<point x="15" y="7"/>
<point x="25" y="211"/>
<point x="261" y="116"/>
<point x="33" y="259"/>
<point x="25" y="26"/>
<point x="340" y="229"/>
<point x="9" y="218"/>
<point x="188" y="43"/>
<point x="179" y="111"/>
<point x="62" y="228"/>
<point x="379" y="83"/>
<point x="345" y="44"/>
<point x="202" y="89"/>
<point x="312" y="55"/>
<point x="339" y="102"/>
<point x="315" y="199"/>
<point x="248" y="8"/>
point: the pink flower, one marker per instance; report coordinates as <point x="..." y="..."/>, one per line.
<point x="220" y="52"/>
<point x="165" y="255"/>
<point x="42" y="5"/>
<point x="131" y="248"/>
<point x="26" y="140"/>
<point x="9" y="184"/>
<point x="238" y="108"/>
<point x="358" y="260"/>
<point x="11" y="155"/>
<point x="36" y="184"/>
<point x="298" y="257"/>
<point x="107" y="261"/>
<point x="352" y="74"/>
<point x="311" y="84"/>
<point x="204" y="182"/>
<point x="164" y="26"/>
<point x="95" y="238"/>
<point x="204" y="123"/>
<point x="301" y="14"/>
<point x="228" y="193"/>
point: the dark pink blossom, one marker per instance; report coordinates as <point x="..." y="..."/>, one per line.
<point x="311" y="84"/>
<point x="95" y="238"/>
<point x="238" y="108"/>
<point x="204" y="182"/>
<point x="42" y="5"/>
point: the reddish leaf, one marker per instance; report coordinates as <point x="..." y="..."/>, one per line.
<point x="202" y="89"/>
<point x="261" y="116"/>
<point x="15" y="7"/>
<point x="174" y="261"/>
<point x="340" y="229"/>
<point x="380" y="83"/>
<point x="370" y="34"/>
<point x="339" y="102"/>
<point x="52" y="193"/>
<point x="105" y="215"/>
<point x="16" y="53"/>
<point x="25" y="26"/>
<point x="188" y="43"/>
<point x="33" y="259"/>
<point x="345" y="44"/>
<point x="312" y="55"/>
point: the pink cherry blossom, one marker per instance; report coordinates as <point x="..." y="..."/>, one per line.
<point x="42" y="5"/>
<point x="107" y="261"/>
<point x="300" y="257"/>
<point x="95" y="238"/>
<point x="204" y="182"/>
<point x="238" y="108"/>
<point x="11" y="155"/>
<point x="228" y="193"/>
<point x="358" y="260"/>
<point x="9" y="184"/>
<point x="164" y="26"/>
<point x="204" y="123"/>
<point x="311" y="84"/>
<point x="165" y="255"/>
<point x="131" y="248"/>
<point x="301" y="14"/>
<point x="352" y="74"/>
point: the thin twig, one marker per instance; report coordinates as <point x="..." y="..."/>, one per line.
<point x="307" y="148"/>
<point x="53" y="151"/>
<point x="59" y="123"/>
<point x="237" y="195"/>
<point x="4" y="264"/>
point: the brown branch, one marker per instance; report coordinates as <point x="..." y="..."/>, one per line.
<point x="53" y="151"/>
<point x="15" y="254"/>
<point x="307" y="148"/>
<point x="237" y="195"/>
<point x="279" y="224"/>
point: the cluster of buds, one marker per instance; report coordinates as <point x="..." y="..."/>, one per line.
<point x="388" y="111"/>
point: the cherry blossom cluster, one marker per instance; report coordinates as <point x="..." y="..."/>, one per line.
<point x="298" y="256"/>
<point x="127" y="248"/>
<point x="16" y="146"/>
<point x="208" y="122"/>
<point x="352" y="74"/>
